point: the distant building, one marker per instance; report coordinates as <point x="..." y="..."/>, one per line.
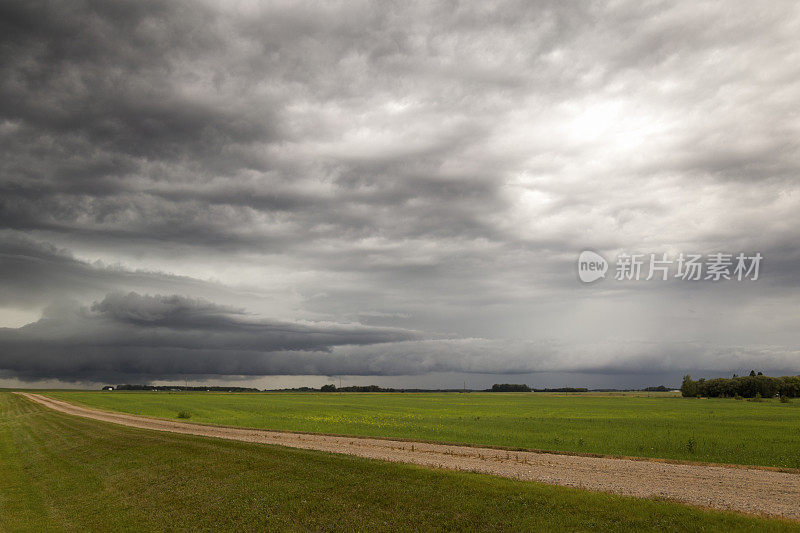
<point x="108" y="387"/>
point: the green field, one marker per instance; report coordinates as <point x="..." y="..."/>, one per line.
<point x="60" y="472"/>
<point x="714" y="430"/>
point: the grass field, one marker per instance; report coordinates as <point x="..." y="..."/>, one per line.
<point x="59" y="472"/>
<point x="715" y="430"/>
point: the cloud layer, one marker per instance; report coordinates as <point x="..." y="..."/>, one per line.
<point x="421" y="167"/>
<point x="136" y="337"/>
<point x="168" y="336"/>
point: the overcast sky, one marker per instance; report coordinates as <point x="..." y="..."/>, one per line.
<point x="284" y="194"/>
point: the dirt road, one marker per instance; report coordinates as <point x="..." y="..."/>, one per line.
<point x="720" y="487"/>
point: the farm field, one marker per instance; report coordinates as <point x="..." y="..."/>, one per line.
<point x="646" y="425"/>
<point x="60" y="472"/>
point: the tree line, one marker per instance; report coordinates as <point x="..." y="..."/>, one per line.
<point x="754" y="385"/>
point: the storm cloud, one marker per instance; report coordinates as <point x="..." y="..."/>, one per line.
<point x="428" y="169"/>
<point x="136" y="337"/>
<point x="142" y="335"/>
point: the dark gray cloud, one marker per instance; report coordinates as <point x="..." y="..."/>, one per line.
<point x="178" y="123"/>
<point x="147" y="336"/>
<point x="141" y="337"/>
<point x="105" y="75"/>
<point x="427" y="166"/>
<point x="34" y="274"/>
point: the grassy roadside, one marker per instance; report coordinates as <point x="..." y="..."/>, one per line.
<point x="645" y="426"/>
<point x="65" y="473"/>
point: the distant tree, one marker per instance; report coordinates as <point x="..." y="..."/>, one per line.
<point x="688" y="387"/>
<point x="752" y="373"/>
<point x="755" y="385"/>
<point x="328" y="388"/>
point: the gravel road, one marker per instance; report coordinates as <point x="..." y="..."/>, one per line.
<point x="748" y="490"/>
